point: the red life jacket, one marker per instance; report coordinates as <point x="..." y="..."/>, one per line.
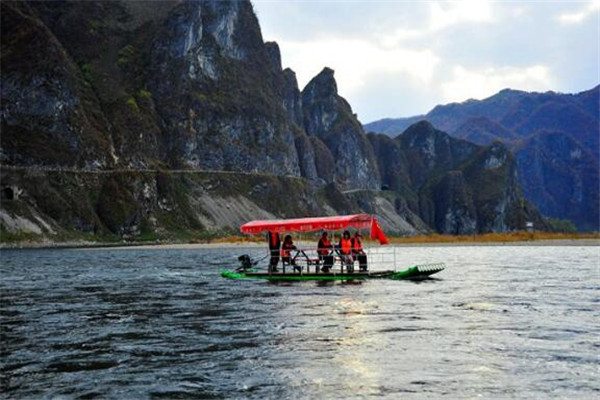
<point x="346" y="246"/>
<point x="323" y="247"/>
<point x="285" y="249"/>
<point x="274" y="242"/>
<point x="356" y="245"/>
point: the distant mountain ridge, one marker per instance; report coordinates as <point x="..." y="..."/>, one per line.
<point x="512" y="109"/>
<point x="554" y="136"/>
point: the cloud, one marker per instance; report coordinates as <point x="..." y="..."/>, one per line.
<point x="394" y="38"/>
<point x="443" y="15"/>
<point x="440" y="15"/>
<point x="397" y="58"/>
<point x="579" y="16"/>
<point x="518" y="11"/>
<point x="479" y="84"/>
<point x="355" y="60"/>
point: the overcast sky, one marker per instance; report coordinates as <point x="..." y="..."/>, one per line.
<point x="401" y="58"/>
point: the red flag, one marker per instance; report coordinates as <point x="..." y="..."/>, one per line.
<point x="377" y="233"/>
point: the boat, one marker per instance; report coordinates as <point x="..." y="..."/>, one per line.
<point x="417" y="272"/>
<point x="307" y="267"/>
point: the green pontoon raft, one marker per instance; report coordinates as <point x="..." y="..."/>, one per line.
<point x="418" y="272"/>
<point x="306" y="265"/>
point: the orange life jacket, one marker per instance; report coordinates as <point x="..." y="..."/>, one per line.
<point x="346" y="246"/>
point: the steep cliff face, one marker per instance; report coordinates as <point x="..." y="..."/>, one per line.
<point x="454" y="211"/>
<point x="219" y="91"/>
<point x="430" y="151"/>
<point x="306" y="155"/>
<point x="393" y="164"/>
<point x="100" y="45"/>
<point x="454" y="186"/>
<point x="500" y="206"/>
<point x="292" y="99"/>
<point x="562" y="176"/>
<point x="329" y="117"/>
<point x="293" y="105"/>
<point x="187" y="85"/>
<point x="44" y="114"/>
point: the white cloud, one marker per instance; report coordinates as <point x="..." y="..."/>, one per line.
<point x="355" y="60"/>
<point x="443" y="15"/>
<point x="579" y="16"/>
<point x="394" y="38"/>
<point x="519" y="11"/>
<point x="468" y="84"/>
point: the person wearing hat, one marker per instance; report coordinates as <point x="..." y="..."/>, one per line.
<point x="324" y="248"/>
<point x="358" y="253"/>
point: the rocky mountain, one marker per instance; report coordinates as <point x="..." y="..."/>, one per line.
<point x="151" y="120"/>
<point x="453" y="185"/>
<point x="328" y="117"/>
<point x="533" y="126"/>
<point x="561" y="175"/>
<point x="181" y="84"/>
<point x="189" y="85"/>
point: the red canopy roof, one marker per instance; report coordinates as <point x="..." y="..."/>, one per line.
<point x="358" y="221"/>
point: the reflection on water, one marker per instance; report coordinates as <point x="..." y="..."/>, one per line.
<point x="499" y="322"/>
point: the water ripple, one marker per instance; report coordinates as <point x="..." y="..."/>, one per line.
<point x="499" y="322"/>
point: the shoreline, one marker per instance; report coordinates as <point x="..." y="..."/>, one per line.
<point x="245" y="244"/>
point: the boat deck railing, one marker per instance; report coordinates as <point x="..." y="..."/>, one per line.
<point x="308" y="259"/>
<point x="381" y="258"/>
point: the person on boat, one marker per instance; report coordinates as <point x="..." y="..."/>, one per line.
<point x="324" y="248"/>
<point x="345" y="249"/>
<point x="286" y="252"/>
<point x="358" y="253"/>
<point x="274" y="245"/>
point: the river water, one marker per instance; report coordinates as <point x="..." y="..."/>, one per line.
<point x="499" y="322"/>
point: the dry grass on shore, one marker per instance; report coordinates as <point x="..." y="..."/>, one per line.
<point x="239" y="239"/>
<point x="495" y="237"/>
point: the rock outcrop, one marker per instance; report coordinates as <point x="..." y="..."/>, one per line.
<point x="218" y="91"/>
<point x="329" y="117"/>
<point x="182" y="85"/>
<point x="44" y="114"/>
<point x="562" y="177"/>
<point x="532" y="125"/>
<point x="292" y="100"/>
<point x="454" y="186"/>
